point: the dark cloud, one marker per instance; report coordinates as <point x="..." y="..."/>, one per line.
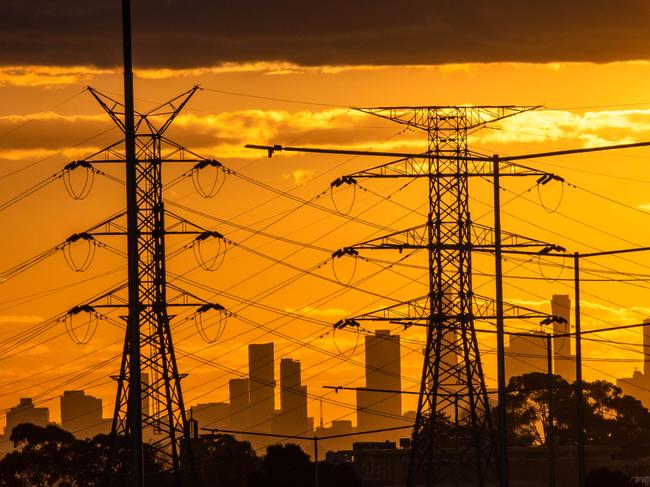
<point x="192" y="33"/>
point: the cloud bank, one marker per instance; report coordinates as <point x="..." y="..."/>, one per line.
<point x="195" y="33"/>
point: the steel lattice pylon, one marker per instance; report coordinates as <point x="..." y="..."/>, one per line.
<point x="453" y="438"/>
<point x="163" y="415"/>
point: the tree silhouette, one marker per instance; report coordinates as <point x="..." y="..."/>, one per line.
<point x="604" y="477"/>
<point x="48" y="455"/>
<point x="610" y="417"/>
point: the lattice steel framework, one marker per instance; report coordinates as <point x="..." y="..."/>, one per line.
<point x="164" y="411"/>
<point x="453" y="394"/>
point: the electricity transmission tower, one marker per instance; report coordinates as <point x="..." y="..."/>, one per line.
<point x="452" y="383"/>
<point x="155" y="405"/>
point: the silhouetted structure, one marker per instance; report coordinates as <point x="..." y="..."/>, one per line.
<point x="337" y="427"/>
<point x="563" y="361"/>
<point x="376" y="410"/>
<point x="25" y="412"/>
<point x="239" y="404"/>
<point x="261" y="386"/>
<point x="81" y="415"/>
<point x="292" y="418"/>
<point x="526" y="354"/>
<point x="639" y="384"/>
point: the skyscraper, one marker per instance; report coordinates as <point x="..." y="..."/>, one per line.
<point x="525" y="354"/>
<point x="25" y="412"/>
<point x="292" y="417"/>
<point x="377" y="410"/>
<point x="563" y="361"/>
<point x="239" y="404"/>
<point x="638" y="385"/>
<point x="261" y="386"/>
<point x="81" y="415"/>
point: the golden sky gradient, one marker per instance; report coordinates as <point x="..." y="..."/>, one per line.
<point x="47" y="121"/>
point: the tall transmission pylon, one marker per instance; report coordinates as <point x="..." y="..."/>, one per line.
<point x="453" y="438"/>
<point x="453" y="400"/>
<point x="154" y="405"/>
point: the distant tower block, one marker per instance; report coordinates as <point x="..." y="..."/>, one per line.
<point x="25" y="412"/>
<point x="292" y="417"/>
<point x="239" y="404"/>
<point x="261" y="386"/>
<point x="526" y="354"/>
<point x="81" y="414"/>
<point x="563" y="360"/>
<point x="377" y="410"/>
<point x="638" y="385"/>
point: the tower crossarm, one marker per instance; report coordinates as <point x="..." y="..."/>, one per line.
<point x="167" y="112"/>
<point x="416" y="166"/>
<point x="417" y="238"/>
<point x="472" y="117"/>
<point x="154" y="121"/>
<point x="416" y="312"/>
<point x="484" y="308"/>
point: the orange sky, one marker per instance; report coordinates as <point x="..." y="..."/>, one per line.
<point x="45" y="120"/>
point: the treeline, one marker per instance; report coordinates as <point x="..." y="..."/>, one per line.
<point x="610" y="418"/>
<point x="47" y="456"/>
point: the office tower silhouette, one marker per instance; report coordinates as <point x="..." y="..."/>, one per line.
<point x="25" y="412"/>
<point x="638" y="385"/>
<point x="563" y="361"/>
<point x="261" y="386"/>
<point x="377" y="410"/>
<point x="526" y="354"/>
<point x="81" y="415"/>
<point x="239" y="404"/>
<point x="292" y="417"/>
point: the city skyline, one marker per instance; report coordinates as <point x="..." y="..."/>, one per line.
<point x="281" y="406"/>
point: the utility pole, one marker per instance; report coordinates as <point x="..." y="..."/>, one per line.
<point x="132" y="345"/>
<point x="550" y="438"/>
<point x="580" y="423"/>
<point x="502" y="443"/>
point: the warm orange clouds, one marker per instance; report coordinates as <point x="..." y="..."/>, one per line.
<point x="224" y="134"/>
<point x="47" y="76"/>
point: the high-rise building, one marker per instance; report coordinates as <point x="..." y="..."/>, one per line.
<point x="25" y="412"/>
<point x="81" y="415"/>
<point x="292" y="418"/>
<point x="526" y="354"/>
<point x="239" y="404"/>
<point x="638" y="385"/>
<point x="377" y="410"/>
<point x="261" y="386"/>
<point x="564" y="363"/>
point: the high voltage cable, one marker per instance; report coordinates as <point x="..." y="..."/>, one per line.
<point x="269" y="98"/>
